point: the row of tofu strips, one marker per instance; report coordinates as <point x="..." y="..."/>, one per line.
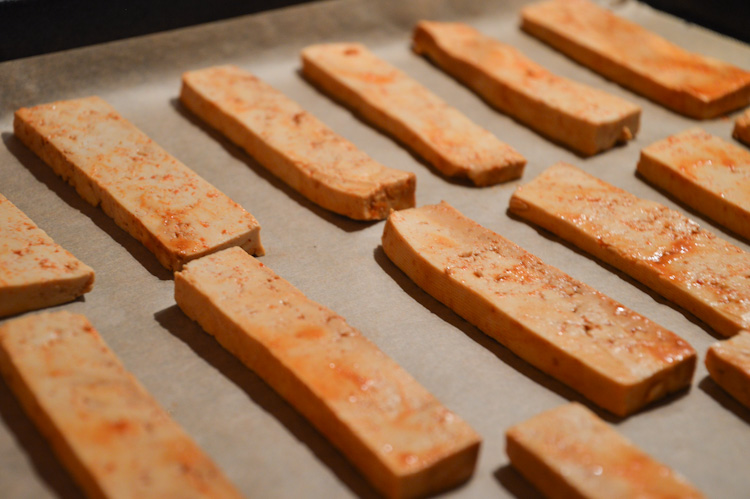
<point x="178" y="246"/>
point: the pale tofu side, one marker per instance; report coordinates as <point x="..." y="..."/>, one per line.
<point x="657" y="246"/>
<point x="161" y="202"/>
<point x="728" y="363"/>
<point x="741" y="130"/>
<point x="35" y="271"/>
<point x="615" y="357"/>
<point x="409" y="112"/>
<point x="112" y="436"/>
<point x="400" y="437"/>
<point x="705" y="172"/>
<point x="294" y="145"/>
<point x="691" y="84"/>
<point x="580" y="117"/>
<point x="568" y="452"/>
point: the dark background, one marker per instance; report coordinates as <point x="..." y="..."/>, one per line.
<point x="31" y="27"/>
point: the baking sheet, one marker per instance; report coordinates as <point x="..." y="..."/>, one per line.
<point x="264" y="446"/>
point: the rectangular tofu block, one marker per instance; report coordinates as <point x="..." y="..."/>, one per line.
<point x="742" y="128"/>
<point x="626" y="53"/>
<point x="35" y="272"/>
<point x="614" y="357"/>
<point x="657" y="246"/>
<point x="568" y="452"/>
<point x="161" y="202"/>
<point x="409" y="112"/>
<point x="728" y="363"/>
<point x="113" y="437"/>
<point x="709" y="174"/>
<point x="580" y="117"/>
<point x="294" y="145"/>
<point x="399" y="436"/>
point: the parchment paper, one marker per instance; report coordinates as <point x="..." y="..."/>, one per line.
<point x="262" y="444"/>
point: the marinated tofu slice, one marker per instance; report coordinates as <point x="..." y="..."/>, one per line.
<point x="613" y="356"/>
<point x="294" y="145"/>
<point x="161" y="202"/>
<point x="659" y="247"/>
<point x="568" y="452"/>
<point x="580" y="117"/>
<point x="112" y="436"/>
<point x="399" y="436"/>
<point x="705" y="172"/>
<point x="728" y="363"/>
<point x="35" y="271"/>
<point x="691" y="84"/>
<point x="742" y="128"/>
<point x="409" y="112"/>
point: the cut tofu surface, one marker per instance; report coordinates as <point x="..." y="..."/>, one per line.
<point x="660" y="247"/>
<point x="106" y="429"/>
<point x="399" y="436"/>
<point x="728" y="363"/>
<point x="169" y="208"/>
<point x="615" y="357"/>
<point x="35" y="272"/>
<point x="402" y="107"/>
<point x="582" y="118"/>
<point x="709" y="174"/>
<point x="691" y="84"/>
<point x="294" y="145"/>
<point x="568" y="452"/>
<point x="741" y="130"/>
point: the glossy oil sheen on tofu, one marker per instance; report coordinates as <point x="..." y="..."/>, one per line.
<point x="660" y="247"/>
<point x="694" y="85"/>
<point x="581" y="117"/>
<point x="612" y="355"/>
<point x="705" y="172"/>
<point x="161" y="202"/>
<point x="404" y="108"/>
<point x="294" y="145"/>
<point x="400" y="437"/>
<point x="569" y="452"/>
<point x="35" y="271"/>
<point x="109" y="432"/>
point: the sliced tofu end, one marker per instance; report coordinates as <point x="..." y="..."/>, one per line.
<point x="725" y="368"/>
<point x="17" y="299"/>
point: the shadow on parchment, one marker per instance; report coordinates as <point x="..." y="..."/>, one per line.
<point x="178" y="324"/>
<point x="67" y="193"/>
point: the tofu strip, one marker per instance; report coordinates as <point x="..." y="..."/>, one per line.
<point x="35" y="271"/>
<point x="294" y="145"/>
<point x="568" y="452"/>
<point x="113" y="437"/>
<point x="150" y="194"/>
<point x="582" y="118"/>
<point x="741" y="130"/>
<point x="709" y="174"/>
<point x="616" y="358"/>
<point x="403" y="108"/>
<point x="398" y="435"/>
<point x="657" y="246"/>
<point x="691" y="84"/>
<point x="728" y="363"/>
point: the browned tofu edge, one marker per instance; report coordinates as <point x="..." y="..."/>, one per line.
<point x="97" y="196"/>
<point x="512" y="169"/>
<point x="728" y="375"/>
<point x="620" y="399"/>
<point x="682" y="101"/>
<point x="567" y="129"/>
<point x="447" y="473"/>
<point x="397" y="195"/>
